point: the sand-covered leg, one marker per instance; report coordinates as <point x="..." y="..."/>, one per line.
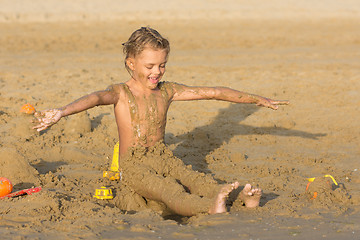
<point x="250" y="196"/>
<point x="220" y="200"/>
<point x="196" y="182"/>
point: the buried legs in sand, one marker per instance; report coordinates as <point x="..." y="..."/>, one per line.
<point x="168" y="190"/>
<point x="250" y="196"/>
<point x="155" y="174"/>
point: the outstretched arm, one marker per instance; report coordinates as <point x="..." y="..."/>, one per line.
<point x="47" y="118"/>
<point x="183" y="93"/>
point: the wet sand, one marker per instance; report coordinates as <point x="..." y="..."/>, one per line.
<point x="310" y="57"/>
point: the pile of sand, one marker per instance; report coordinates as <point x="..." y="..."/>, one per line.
<point x="14" y="166"/>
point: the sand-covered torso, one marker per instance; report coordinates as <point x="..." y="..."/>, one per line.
<point x="141" y="118"/>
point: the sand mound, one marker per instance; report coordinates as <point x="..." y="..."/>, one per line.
<point x="78" y="124"/>
<point x="326" y="194"/>
<point x="15" y="167"/>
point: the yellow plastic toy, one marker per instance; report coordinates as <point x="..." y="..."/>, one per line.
<point x="115" y="160"/>
<point x="103" y="193"/>
<point x="333" y="179"/>
<point x="114" y="173"/>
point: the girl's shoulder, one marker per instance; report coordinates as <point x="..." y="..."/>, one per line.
<point x="118" y="87"/>
<point x="169" y="86"/>
<point x="167" y="89"/>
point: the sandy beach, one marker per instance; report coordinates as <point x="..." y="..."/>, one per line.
<point x="306" y="52"/>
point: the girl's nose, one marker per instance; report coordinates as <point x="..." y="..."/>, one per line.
<point x="157" y="70"/>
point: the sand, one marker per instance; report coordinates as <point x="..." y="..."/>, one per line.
<point x="308" y="53"/>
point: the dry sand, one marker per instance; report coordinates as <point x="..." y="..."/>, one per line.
<point x="306" y="52"/>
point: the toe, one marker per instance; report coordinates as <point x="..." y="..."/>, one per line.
<point x="247" y="188"/>
<point x="258" y="191"/>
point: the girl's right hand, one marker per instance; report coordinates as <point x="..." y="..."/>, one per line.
<point x="47" y="118"/>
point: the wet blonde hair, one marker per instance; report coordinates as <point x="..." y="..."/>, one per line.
<point x="142" y="38"/>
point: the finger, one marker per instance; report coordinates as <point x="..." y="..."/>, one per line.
<point x="273" y="106"/>
<point x="37" y="126"/>
<point x="37" y="120"/>
<point x="42" y="128"/>
<point x="39" y="114"/>
<point x="280" y="102"/>
<point x="268" y="105"/>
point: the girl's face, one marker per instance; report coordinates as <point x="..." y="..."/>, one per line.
<point x="148" y="67"/>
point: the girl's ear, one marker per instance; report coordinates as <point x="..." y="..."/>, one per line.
<point x="130" y="63"/>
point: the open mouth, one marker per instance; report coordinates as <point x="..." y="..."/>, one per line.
<point x="154" y="80"/>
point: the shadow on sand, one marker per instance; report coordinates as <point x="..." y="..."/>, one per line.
<point x="194" y="146"/>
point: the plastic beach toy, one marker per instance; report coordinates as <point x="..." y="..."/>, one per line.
<point x="28" y="191"/>
<point x="114" y="173"/>
<point x="27" y="108"/>
<point x="103" y="193"/>
<point x="115" y="160"/>
<point x="333" y="179"/>
<point x="5" y="186"/>
<point x="310" y="180"/>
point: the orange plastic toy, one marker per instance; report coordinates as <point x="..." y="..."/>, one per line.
<point x="27" y="108"/>
<point x="5" y="186"/>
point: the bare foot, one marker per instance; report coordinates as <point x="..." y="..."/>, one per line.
<point x="220" y="201"/>
<point x="250" y="196"/>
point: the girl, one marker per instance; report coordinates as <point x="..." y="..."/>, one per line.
<point x="140" y="107"/>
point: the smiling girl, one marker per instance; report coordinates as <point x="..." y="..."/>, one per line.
<point x="141" y="105"/>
